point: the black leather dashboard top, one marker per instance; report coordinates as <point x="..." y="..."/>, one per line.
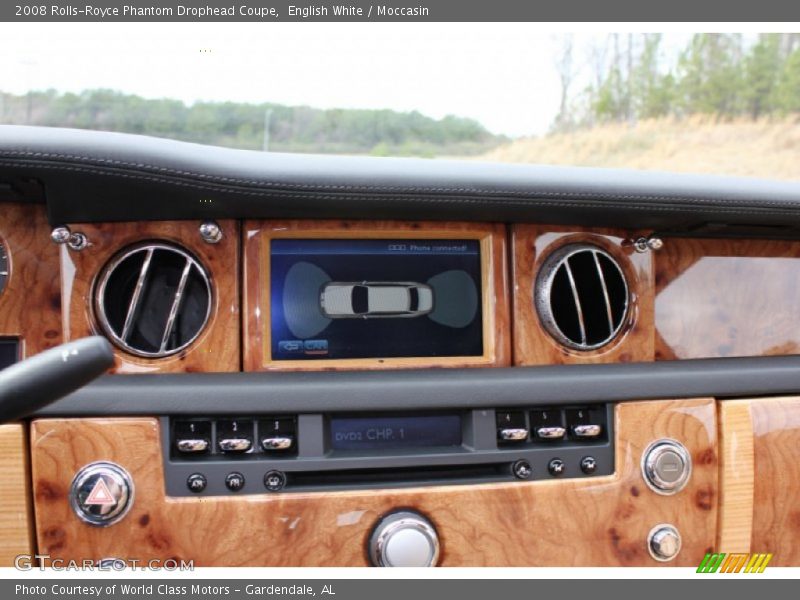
<point x="91" y="176"/>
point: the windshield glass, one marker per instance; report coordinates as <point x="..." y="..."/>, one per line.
<point x="726" y="103"/>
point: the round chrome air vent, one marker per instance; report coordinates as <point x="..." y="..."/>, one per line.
<point x="581" y="296"/>
<point x="153" y="300"/>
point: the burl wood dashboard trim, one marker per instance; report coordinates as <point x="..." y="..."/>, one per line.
<point x="494" y="285"/>
<point x="30" y="304"/>
<point x="16" y="508"/>
<point x="592" y="521"/>
<point x="760" y="478"/>
<point x="722" y="298"/>
<point x="217" y="349"/>
<point x="533" y="345"/>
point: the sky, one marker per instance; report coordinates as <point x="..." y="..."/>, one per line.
<point x="503" y="75"/>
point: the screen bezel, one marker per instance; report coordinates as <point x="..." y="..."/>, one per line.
<point x="494" y="306"/>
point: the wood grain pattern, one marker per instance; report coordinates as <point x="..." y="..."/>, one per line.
<point x="598" y="521"/>
<point x="257" y="342"/>
<point x="531" y="245"/>
<point x="30" y="305"/>
<point x="776" y="500"/>
<point x="217" y="348"/>
<point x="717" y="298"/>
<point x="736" y="477"/>
<point x="16" y="514"/>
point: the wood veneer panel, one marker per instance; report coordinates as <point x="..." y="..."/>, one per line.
<point x="736" y="477"/>
<point x="597" y="521"/>
<point x="776" y="499"/>
<point x="217" y="347"/>
<point x="717" y="298"/>
<point x="30" y="305"/>
<point x="494" y="296"/>
<point x="16" y="516"/>
<point x="531" y="245"/>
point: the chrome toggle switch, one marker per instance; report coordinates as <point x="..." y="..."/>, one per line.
<point x="404" y="539"/>
<point x="513" y="434"/>
<point x="276" y="443"/>
<point x="664" y="542"/>
<point x="666" y="466"/>
<point x="235" y="444"/>
<point x="101" y="493"/>
<point x="550" y="433"/>
<point x="191" y="445"/>
<point x="587" y="431"/>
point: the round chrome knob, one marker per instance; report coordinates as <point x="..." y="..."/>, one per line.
<point x="666" y="466"/>
<point x="664" y="542"/>
<point x="101" y="493"/>
<point x="404" y="539"/>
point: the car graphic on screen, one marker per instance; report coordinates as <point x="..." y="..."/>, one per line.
<point x="375" y="299"/>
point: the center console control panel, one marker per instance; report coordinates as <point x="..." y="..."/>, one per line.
<point x="259" y="454"/>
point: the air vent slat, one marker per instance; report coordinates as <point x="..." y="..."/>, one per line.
<point x="153" y="300"/>
<point x="173" y="312"/>
<point x="133" y="306"/>
<point x="581" y="296"/>
<point x="576" y="298"/>
<point x="602" y="278"/>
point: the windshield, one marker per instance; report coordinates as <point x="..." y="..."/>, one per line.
<point x="724" y="103"/>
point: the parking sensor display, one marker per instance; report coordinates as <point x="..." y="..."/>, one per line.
<point x="337" y="299"/>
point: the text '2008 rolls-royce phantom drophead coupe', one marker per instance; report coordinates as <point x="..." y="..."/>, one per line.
<point x="327" y="361"/>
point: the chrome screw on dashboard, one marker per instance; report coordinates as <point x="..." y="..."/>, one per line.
<point x="74" y="241"/>
<point x="643" y="244"/>
<point x="211" y="232"/>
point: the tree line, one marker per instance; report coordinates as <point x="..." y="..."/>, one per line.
<point x="242" y="125"/>
<point x="631" y="76"/>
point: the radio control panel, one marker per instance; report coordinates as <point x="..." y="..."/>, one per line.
<point x="259" y="454"/>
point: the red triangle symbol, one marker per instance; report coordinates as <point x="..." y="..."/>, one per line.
<point x="100" y="495"/>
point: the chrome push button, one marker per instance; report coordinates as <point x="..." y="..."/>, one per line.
<point x="404" y="539"/>
<point x="101" y="493"/>
<point x="664" y="542"/>
<point x="666" y="466"/>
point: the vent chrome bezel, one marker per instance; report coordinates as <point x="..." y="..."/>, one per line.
<point x="542" y="291"/>
<point x="150" y="248"/>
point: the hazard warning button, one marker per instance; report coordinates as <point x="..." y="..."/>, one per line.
<point x="101" y="493"/>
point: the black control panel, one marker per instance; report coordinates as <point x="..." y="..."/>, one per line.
<point x="259" y="454"/>
<point x="9" y="352"/>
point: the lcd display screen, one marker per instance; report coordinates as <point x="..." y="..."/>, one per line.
<point x="9" y="353"/>
<point x="375" y="433"/>
<point x="334" y="299"/>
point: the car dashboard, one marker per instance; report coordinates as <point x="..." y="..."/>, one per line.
<point x="346" y="361"/>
